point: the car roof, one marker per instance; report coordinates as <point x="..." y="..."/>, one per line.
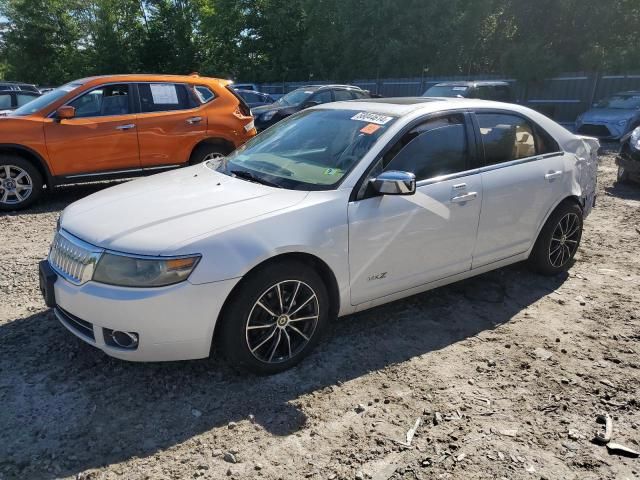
<point x="473" y="83"/>
<point x="145" y="77"/>
<point x="319" y="87"/>
<point x="414" y="107"/>
<point x="8" y="82"/>
<point x="244" y="90"/>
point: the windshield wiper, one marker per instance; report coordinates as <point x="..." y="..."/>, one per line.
<point x="253" y="178"/>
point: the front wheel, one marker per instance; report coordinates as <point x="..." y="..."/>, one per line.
<point x="20" y="183"/>
<point x="275" y="318"/>
<point x="558" y="241"/>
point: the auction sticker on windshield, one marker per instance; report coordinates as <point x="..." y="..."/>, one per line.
<point x="372" y="118"/>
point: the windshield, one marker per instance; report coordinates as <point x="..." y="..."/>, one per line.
<point x="312" y="150"/>
<point x="295" y="98"/>
<point x="46" y="99"/>
<point x="447" y="91"/>
<point x="621" y="101"/>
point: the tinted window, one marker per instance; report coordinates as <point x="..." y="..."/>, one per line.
<point x="204" y="94"/>
<point x="250" y="97"/>
<point x="502" y="93"/>
<point x="322" y="97"/>
<point x="23" y="98"/>
<point x="484" y="92"/>
<point x="103" y="101"/>
<point x="447" y="91"/>
<point x="342" y="95"/>
<point x="5" y="101"/>
<point x="162" y="97"/>
<point x="505" y="137"/>
<point x="436" y="147"/>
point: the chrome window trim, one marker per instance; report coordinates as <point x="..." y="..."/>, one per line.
<point x="487" y="168"/>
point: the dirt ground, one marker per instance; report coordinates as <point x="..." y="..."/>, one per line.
<point x="506" y="372"/>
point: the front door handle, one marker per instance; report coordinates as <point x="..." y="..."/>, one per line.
<point x="553" y="175"/>
<point x="126" y="127"/>
<point x="467" y="197"/>
<point x="194" y="120"/>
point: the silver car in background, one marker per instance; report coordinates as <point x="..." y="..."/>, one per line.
<point x="612" y="117"/>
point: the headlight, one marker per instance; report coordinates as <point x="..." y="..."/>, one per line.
<point x="269" y="115"/>
<point x="634" y="141"/>
<point x="128" y="271"/>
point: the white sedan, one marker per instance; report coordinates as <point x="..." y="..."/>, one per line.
<point x="334" y="210"/>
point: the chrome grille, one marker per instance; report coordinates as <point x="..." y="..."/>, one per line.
<point x="72" y="258"/>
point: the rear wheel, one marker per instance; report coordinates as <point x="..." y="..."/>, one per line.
<point x="558" y="241"/>
<point x="208" y="151"/>
<point x="20" y="183"/>
<point x="275" y="318"/>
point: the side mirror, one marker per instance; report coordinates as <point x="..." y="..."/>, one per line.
<point x="66" y="112"/>
<point x="310" y="103"/>
<point x="395" y="182"/>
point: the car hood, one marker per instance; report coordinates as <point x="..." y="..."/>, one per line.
<point x="163" y="214"/>
<point x="608" y="114"/>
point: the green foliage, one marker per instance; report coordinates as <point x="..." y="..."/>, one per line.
<point x="52" y="41"/>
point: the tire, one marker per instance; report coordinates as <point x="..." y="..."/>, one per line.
<point x="20" y="183"/>
<point x="558" y="241"/>
<point x="623" y="175"/>
<point x="260" y="336"/>
<point x="208" y="151"/>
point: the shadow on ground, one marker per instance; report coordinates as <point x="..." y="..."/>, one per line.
<point x="60" y="197"/>
<point x="625" y="191"/>
<point x="63" y="398"/>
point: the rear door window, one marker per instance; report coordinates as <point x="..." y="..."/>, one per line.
<point x="341" y="95"/>
<point x="322" y="97"/>
<point x="23" y="98"/>
<point x="506" y="137"/>
<point x="163" y="97"/>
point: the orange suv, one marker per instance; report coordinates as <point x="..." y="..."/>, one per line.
<point x="117" y="126"/>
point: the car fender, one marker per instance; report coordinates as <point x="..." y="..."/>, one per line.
<point x="317" y="226"/>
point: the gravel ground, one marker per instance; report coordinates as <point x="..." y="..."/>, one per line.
<point x="506" y="373"/>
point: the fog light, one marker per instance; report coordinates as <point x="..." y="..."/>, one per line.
<point x="120" y="339"/>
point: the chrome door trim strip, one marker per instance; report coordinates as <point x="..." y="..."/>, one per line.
<point x="488" y="168"/>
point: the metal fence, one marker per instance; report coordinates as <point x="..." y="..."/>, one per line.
<point x="562" y="98"/>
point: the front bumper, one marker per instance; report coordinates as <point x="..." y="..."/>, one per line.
<point x="172" y="323"/>
<point x="630" y="162"/>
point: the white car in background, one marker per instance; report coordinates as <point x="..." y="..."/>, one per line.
<point x="334" y="210"/>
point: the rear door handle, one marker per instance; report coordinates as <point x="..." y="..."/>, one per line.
<point x="553" y="175"/>
<point x="467" y="197"/>
<point x="126" y="127"/>
<point x="194" y="120"/>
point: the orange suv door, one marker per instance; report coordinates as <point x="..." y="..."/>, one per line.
<point x="170" y="123"/>
<point x="101" y="137"/>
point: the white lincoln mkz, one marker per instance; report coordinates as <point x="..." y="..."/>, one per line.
<point x="334" y="210"/>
